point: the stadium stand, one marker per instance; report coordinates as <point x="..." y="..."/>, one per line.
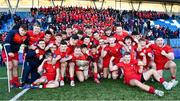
<point x="149" y="23"/>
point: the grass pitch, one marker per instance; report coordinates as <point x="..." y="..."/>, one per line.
<point x="108" y="89"/>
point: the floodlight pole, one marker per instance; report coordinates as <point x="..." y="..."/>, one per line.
<point x="9" y="5"/>
<point x="32" y="3"/>
<point x="119" y="4"/>
<point x="102" y="4"/>
<point x="139" y="4"/>
<point x="17" y="4"/>
<point x="52" y="1"/>
<point x="62" y="2"/>
<point x="38" y="3"/>
<point x="11" y="8"/>
<point x="166" y="9"/>
<point x="94" y="4"/>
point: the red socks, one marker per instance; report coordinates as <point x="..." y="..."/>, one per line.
<point x="173" y="77"/>
<point x="44" y="85"/>
<point x="62" y="78"/>
<point x="151" y="90"/>
<point x="16" y="79"/>
<point x="72" y="78"/>
<point x="95" y="75"/>
<point x="161" y="80"/>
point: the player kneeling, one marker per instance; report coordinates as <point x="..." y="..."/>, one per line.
<point x="50" y="77"/>
<point x="133" y="75"/>
<point x="81" y="64"/>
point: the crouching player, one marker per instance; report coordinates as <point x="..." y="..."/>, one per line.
<point x="65" y="58"/>
<point x="95" y="54"/>
<point x="133" y="75"/>
<point x="143" y="50"/>
<point x="50" y="75"/>
<point x="81" y="64"/>
<point x="163" y="57"/>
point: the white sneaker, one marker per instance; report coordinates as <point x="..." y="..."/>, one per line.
<point x="174" y="82"/>
<point x="109" y="76"/>
<point x="159" y="93"/>
<point x="99" y="76"/>
<point x="11" y="86"/>
<point x="72" y="83"/>
<point x="40" y="86"/>
<point x="121" y="76"/>
<point x="61" y="83"/>
<point x="167" y="85"/>
<point x="85" y="72"/>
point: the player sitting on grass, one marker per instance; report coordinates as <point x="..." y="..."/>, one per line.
<point x="133" y="75"/>
<point x="50" y="75"/>
<point x="33" y="60"/>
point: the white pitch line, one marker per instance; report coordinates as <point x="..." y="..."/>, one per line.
<point x="19" y="95"/>
<point x="3" y="78"/>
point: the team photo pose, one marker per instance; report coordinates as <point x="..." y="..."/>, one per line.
<point x="49" y="71"/>
<point x="134" y="76"/>
<point x="12" y="43"/>
<point x="163" y="57"/>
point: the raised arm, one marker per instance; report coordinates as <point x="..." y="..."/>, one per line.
<point x="111" y="66"/>
<point x="169" y="55"/>
<point x="103" y="52"/>
<point x="40" y="68"/>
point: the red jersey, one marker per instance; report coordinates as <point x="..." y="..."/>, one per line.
<point x="99" y="49"/>
<point x="160" y="59"/>
<point x="130" y="71"/>
<point x="62" y="54"/>
<point x="95" y="56"/>
<point x="79" y="43"/>
<point x="133" y="49"/>
<point x="34" y="38"/>
<point x="104" y="37"/>
<point x="120" y="37"/>
<point x="41" y="52"/>
<point x="50" y="71"/>
<point x="107" y="58"/>
<point x="145" y="51"/>
<point x="70" y="49"/>
<point x="82" y="57"/>
<point x="49" y="68"/>
<point x="115" y="51"/>
<point x="96" y="42"/>
<point x="18" y="38"/>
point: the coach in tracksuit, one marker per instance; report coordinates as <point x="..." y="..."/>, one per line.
<point x="12" y="43"/>
<point x="33" y="59"/>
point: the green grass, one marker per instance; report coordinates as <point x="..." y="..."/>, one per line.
<point x="4" y="95"/>
<point x="108" y="90"/>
